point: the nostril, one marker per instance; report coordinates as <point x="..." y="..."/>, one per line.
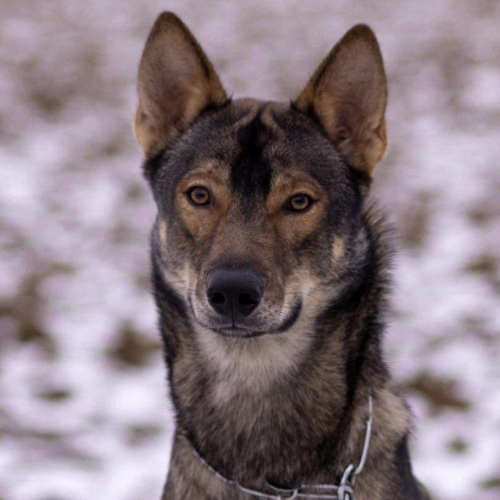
<point x="233" y="292"/>
<point x="218" y="298"/>
<point x="246" y="300"/>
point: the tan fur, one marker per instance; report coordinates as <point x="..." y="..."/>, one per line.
<point x="293" y="229"/>
<point x="348" y="95"/>
<point x="268" y="119"/>
<point x="176" y="81"/>
<point x="338" y="248"/>
<point x="202" y="223"/>
<point x="162" y="231"/>
<point x="253" y="365"/>
<point x="281" y="392"/>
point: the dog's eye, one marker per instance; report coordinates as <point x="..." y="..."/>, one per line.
<point x="299" y="203"/>
<point x="199" y="196"/>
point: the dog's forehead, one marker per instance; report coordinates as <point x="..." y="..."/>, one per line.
<point x="253" y="143"/>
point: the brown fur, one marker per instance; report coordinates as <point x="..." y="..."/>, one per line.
<point x="280" y="396"/>
<point x="176" y="82"/>
<point x="348" y="94"/>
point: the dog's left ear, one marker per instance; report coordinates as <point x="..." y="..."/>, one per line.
<point x="347" y="95"/>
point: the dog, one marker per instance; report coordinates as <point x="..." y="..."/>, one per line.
<point x="270" y="275"/>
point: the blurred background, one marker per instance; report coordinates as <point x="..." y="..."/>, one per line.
<point x="83" y="406"/>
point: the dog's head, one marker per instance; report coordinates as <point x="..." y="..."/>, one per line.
<point x="259" y="204"/>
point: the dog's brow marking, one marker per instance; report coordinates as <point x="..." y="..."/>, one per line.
<point x="294" y="179"/>
<point x="212" y="168"/>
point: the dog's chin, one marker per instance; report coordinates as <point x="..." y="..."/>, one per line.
<point x="241" y="333"/>
<point x="245" y="331"/>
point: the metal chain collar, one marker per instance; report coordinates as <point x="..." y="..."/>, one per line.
<point x="343" y="491"/>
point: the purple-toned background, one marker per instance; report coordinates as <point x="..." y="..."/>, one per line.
<point x="83" y="408"/>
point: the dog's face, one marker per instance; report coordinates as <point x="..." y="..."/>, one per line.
<point x="254" y="208"/>
<point x="258" y="203"/>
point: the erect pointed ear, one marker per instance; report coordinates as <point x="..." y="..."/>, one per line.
<point x="347" y="95"/>
<point x="176" y="83"/>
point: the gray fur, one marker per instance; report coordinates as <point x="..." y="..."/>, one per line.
<point x="280" y="399"/>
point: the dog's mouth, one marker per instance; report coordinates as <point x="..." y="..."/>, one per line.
<point x="256" y="329"/>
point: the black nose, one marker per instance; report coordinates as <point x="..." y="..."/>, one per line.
<point x="234" y="292"/>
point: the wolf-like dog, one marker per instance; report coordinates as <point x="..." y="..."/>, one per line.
<point x="270" y="273"/>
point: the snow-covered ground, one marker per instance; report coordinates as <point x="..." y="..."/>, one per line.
<point x="83" y="412"/>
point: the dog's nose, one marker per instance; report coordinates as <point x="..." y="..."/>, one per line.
<point x="234" y="292"/>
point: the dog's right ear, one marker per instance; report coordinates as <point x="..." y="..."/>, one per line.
<point x="176" y="83"/>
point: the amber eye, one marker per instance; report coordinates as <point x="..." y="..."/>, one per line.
<point x="199" y="196"/>
<point x="299" y="203"/>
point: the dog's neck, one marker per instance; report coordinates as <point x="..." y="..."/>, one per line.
<point x="344" y="489"/>
<point x="245" y="404"/>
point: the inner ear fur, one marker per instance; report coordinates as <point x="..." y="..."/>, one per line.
<point x="176" y="83"/>
<point x="347" y="95"/>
